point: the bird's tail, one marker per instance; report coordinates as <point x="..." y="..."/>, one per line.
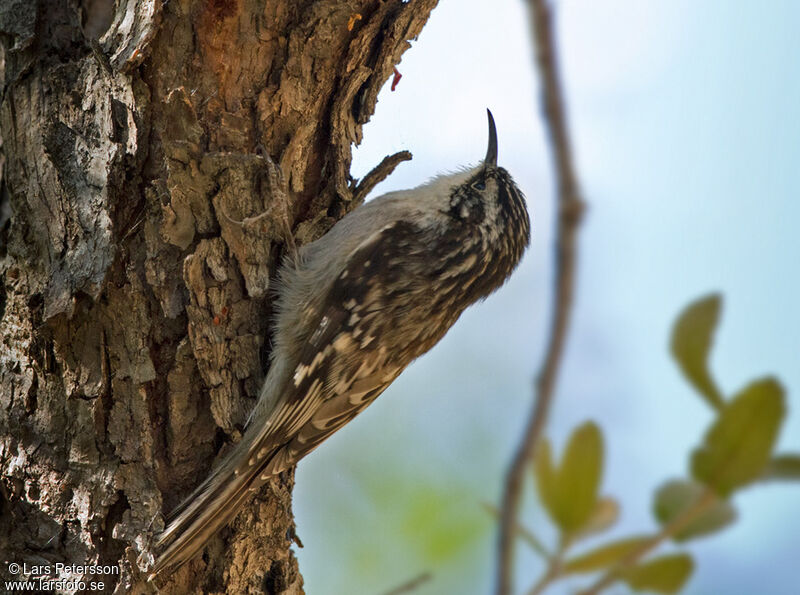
<point x="209" y="508"/>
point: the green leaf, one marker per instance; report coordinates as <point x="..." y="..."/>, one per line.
<point x="546" y="480"/>
<point x="785" y="467"/>
<point x="692" y="335"/>
<point x="604" y="515"/>
<point x="738" y="445"/>
<point x="569" y="492"/>
<point x="665" y="574"/>
<point x="676" y="496"/>
<point x="579" y="476"/>
<point x="605" y="556"/>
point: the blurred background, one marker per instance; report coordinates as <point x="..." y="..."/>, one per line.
<point x="686" y="128"/>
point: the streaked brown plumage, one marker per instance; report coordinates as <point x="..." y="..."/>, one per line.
<point x="358" y="305"/>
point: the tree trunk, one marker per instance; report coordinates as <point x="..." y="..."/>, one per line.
<point x="139" y="234"/>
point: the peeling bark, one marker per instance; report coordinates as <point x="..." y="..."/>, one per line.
<point x="139" y="233"/>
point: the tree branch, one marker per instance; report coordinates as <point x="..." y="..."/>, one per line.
<point x="377" y="175"/>
<point x="570" y="208"/>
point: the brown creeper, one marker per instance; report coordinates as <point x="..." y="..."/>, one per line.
<point x="354" y="308"/>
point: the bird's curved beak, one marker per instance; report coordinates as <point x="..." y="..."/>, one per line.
<point x="491" y="152"/>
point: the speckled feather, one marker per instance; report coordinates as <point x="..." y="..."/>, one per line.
<point x="353" y="310"/>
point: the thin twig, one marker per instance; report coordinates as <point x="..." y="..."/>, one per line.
<point x="555" y="568"/>
<point x="570" y="208"/>
<point x="377" y="175"/>
<point x="706" y="500"/>
<point x="526" y="534"/>
<point x="544" y="581"/>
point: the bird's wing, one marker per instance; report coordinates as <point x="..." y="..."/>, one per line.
<point x="342" y="368"/>
<point x="344" y="364"/>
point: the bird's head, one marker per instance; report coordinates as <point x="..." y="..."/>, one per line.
<point x="490" y="201"/>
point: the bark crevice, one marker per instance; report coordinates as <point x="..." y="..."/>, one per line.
<point x="140" y="231"/>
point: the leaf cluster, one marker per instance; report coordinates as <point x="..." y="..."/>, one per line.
<point x="735" y="451"/>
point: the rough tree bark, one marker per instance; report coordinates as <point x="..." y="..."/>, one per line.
<point x="134" y="309"/>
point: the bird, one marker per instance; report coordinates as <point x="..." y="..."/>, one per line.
<point x="353" y="309"/>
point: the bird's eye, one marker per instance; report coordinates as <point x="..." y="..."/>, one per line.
<point x="480" y="185"/>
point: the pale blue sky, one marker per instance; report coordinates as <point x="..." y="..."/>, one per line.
<point x="687" y="134"/>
